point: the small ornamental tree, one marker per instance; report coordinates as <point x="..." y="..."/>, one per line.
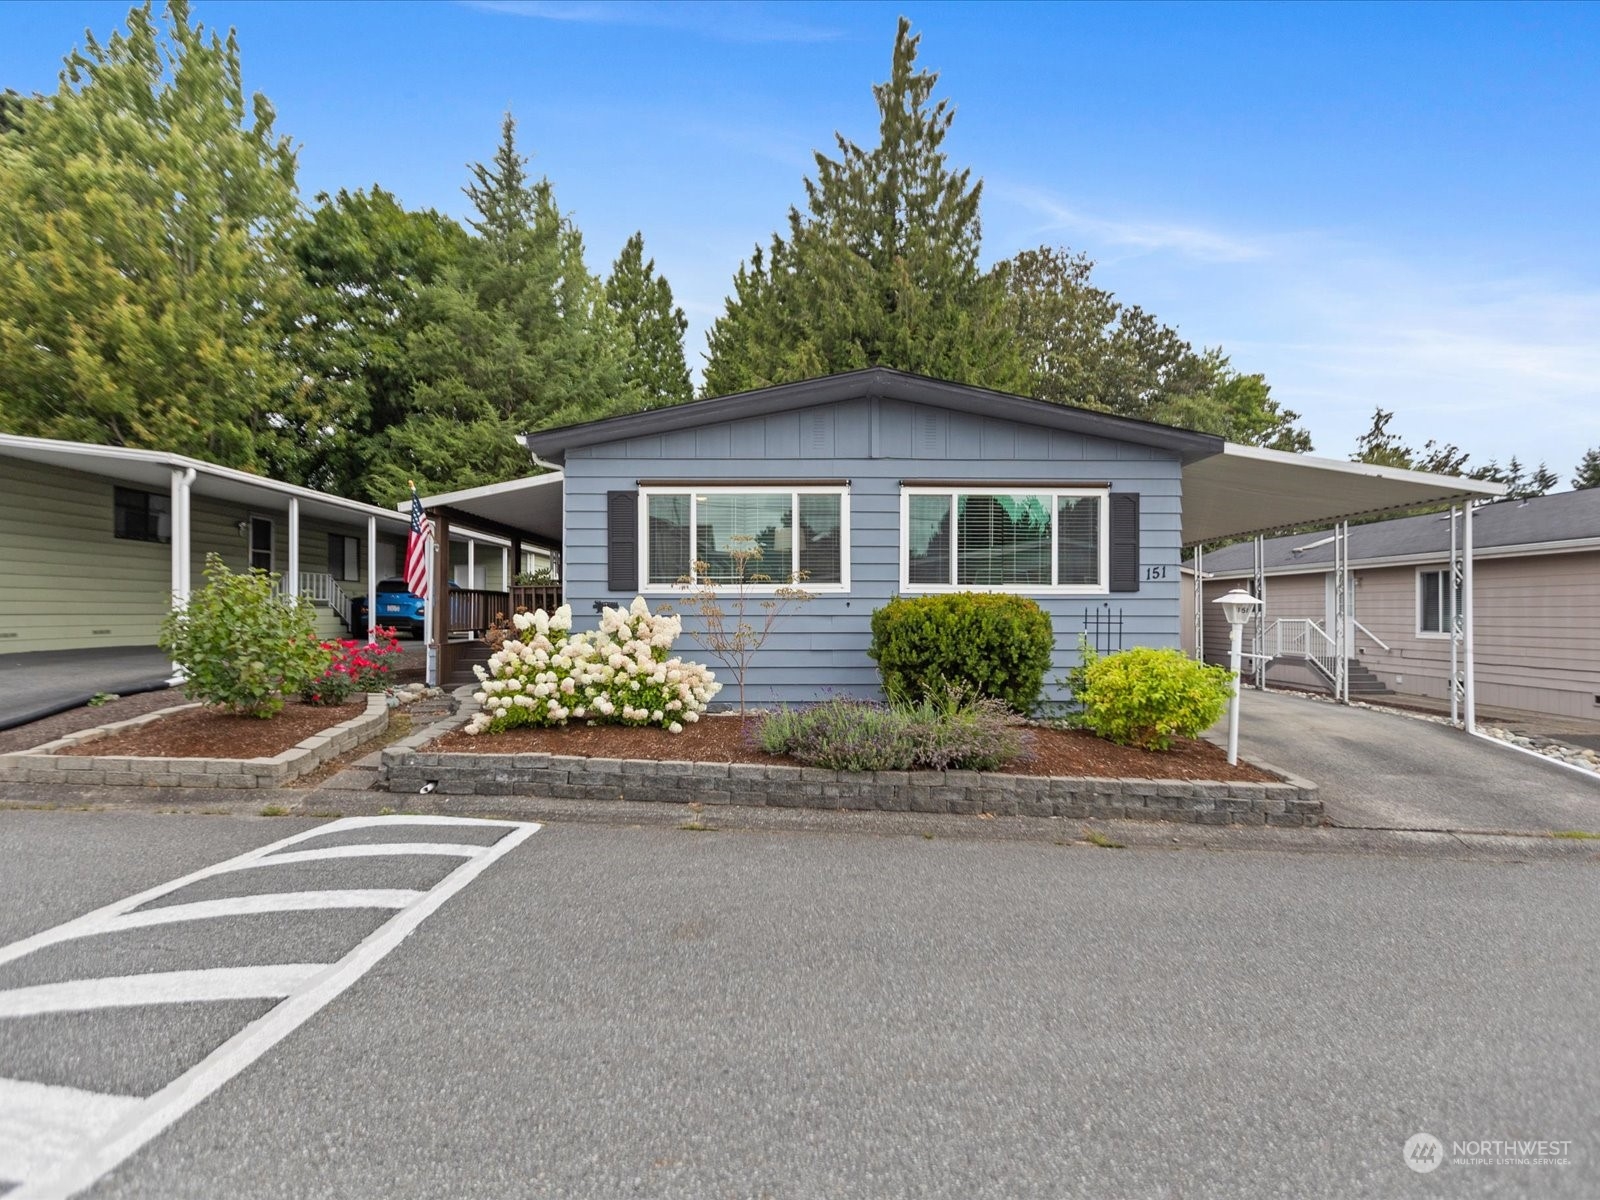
<point x="241" y="644"/>
<point x="730" y="631"/>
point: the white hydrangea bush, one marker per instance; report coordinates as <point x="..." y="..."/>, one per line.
<point x="618" y="675"/>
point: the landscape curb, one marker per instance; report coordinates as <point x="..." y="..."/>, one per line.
<point x="42" y="765"/>
<point x="406" y="767"/>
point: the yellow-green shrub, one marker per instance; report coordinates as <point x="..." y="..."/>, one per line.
<point x="1146" y="697"/>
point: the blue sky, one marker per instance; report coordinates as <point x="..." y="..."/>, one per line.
<point x="1371" y="204"/>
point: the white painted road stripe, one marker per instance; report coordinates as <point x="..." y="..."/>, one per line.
<point x="367" y="850"/>
<point x="160" y="987"/>
<point x="40" y="1124"/>
<point x="138" y="1124"/>
<point x="99" y="916"/>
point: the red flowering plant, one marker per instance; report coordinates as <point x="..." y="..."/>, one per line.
<point x="356" y="667"/>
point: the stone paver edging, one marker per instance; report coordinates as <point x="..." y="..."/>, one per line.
<point x="408" y="768"/>
<point x="41" y="765"/>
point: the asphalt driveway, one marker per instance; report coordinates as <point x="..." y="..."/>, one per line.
<point x="44" y="682"/>
<point x="1384" y="771"/>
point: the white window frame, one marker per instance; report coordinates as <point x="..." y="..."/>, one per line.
<point x="794" y="491"/>
<point x="1099" y="588"/>
<point x="1446" y="592"/>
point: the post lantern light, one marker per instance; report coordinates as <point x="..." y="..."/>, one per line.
<point x="1238" y="606"/>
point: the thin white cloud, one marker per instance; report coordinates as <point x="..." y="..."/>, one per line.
<point x="745" y="22"/>
<point x="1146" y="236"/>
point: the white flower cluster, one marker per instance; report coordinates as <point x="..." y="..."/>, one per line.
<point x="619" y="674"/>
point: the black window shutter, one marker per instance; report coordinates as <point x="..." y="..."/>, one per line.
<point x="622" y="542"/>
<point x="1124" y="541"/>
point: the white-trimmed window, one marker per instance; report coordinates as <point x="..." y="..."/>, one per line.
<point x="1437" y="603"/>
<point x="1028" y="540"/>
<point x="802" y="531"/>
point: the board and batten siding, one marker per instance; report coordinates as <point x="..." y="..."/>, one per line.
<point x="820" y="647"/>
<point x="67" y="582"/>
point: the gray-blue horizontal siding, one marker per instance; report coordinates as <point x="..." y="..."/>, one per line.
<point x="821" y="645"/>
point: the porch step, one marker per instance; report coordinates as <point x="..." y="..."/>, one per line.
<point x="1363" y="682"/>
<point x="467" y="655"/>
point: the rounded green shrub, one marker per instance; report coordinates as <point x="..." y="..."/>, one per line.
<point x="990" y="644"/>
<point x="242" y="645"/>
<point x="1146" y="697"/>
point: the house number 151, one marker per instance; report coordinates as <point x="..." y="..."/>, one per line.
<point x="1155" y="572"/>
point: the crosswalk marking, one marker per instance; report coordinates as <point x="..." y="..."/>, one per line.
<point x="41" y="1123"/>
<point x="62" y="1140"/>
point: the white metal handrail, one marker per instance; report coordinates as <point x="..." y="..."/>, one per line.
<point x="1298" y="637"/>
<point x="322" y="588"/>
<point x="1378" y="641"/>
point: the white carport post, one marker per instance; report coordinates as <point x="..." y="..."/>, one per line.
<point x="292" y="575"/>
<point x="1457" y="684"/>
<point x="1199" y="604"/>
<point x="1469" y="709"/>
<point x="505" y="568"/>
<point x="372" y="580"/>
<point x="1341" y="612"/>
<point x="1258" y="618"/>
<point x="472" y="563"/>
<point x="178" y="543"/>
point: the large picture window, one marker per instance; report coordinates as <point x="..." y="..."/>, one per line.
<point x="801" y="532"/>
<point x="1437" y="603"/>
<point x="1003" y="539"/>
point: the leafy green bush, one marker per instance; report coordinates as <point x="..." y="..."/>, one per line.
<point x="942" y="733"/>
<point x="992" y="644"/>
<point x="1146" y="697"/>
<point x="241" y="645"/>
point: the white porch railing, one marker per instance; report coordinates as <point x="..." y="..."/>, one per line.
<point x="1298" y="637"/>
<point x="322" y="588"/>
<point x="1372" y="637"/>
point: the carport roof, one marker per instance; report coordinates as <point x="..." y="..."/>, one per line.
<point x="532" y="505"/>
<point x="152" y="469"/>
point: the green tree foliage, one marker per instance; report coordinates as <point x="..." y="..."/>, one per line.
<point x="1520" y="483"/>
<point x="145" y="281"/>
<point x="13" y="111"/>
<point x="516" y="337"/>
<point x="1587" y="473"/>
<point x="882" y="267"/>
<point x="1381" y="448"/>
<point x="1086" y="348"/>
<point x="651" y="325"/>
<point x="366" y="261"/>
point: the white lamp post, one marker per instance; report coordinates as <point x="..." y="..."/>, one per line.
<point x="1237" y="606"/>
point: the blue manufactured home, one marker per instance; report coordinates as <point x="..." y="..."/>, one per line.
<point x="878" y="483"/>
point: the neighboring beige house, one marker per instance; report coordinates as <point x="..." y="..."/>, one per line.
<point x="95" y="541"/>
<point x="1536" y="607"/>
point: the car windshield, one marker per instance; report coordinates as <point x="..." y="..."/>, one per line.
<point x="392" y="586"/>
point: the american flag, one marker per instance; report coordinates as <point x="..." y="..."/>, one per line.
<point x="417" y="548"/>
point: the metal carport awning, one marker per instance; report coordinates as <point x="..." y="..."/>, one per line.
<point x="1246" y="490"/>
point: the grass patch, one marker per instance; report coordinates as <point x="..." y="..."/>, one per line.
<point x="274" y="810"/>
<point x="1579" y="835"/>
<point x="696" y="825"/>
<point x="1095" y="838"/>
<point x="386" y="811"/>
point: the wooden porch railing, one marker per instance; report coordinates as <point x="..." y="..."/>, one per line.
<point x="535" y="596"/>
<point x="472" y="610"/>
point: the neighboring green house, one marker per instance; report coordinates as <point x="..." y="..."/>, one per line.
<point x="95" y="541"/>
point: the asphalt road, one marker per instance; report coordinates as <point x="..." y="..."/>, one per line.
<point x="36" y="684"/>
<point x="1379" y="770"/>
<point x="614" y="1011"/>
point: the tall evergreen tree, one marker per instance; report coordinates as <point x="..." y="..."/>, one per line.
<point x="366" y="261"/>
<point x="145" y="282"/>
<point x="652" y="326"/>
<point x="882" y="267"/>
<point x="517" y="337"/>
<point x="1587" y="473"/>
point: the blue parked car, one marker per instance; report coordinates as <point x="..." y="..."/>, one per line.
<point x="397" y="607"/>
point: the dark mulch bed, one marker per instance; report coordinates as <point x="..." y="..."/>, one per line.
<point x="724" y="739"/>
<point x="210" y="733"/>
<point x="76" y="720"/>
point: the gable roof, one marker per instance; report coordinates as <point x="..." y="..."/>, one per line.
<point x="1560" y="522"/>
<point x="551" y="445"/>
